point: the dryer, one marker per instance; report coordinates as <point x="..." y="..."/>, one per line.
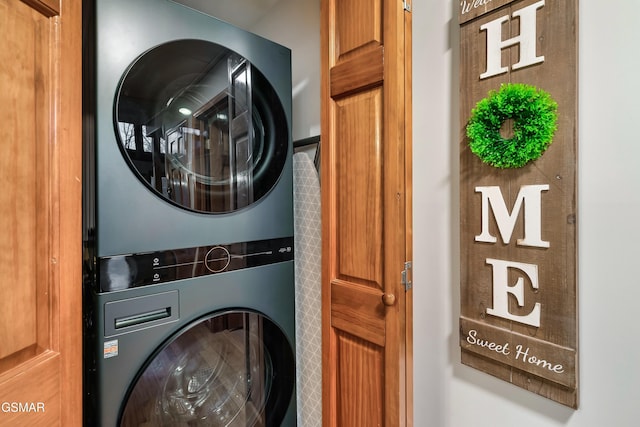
<point x="188" y="220"/>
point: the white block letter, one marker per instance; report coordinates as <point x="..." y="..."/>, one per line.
<point x="526" y="39"/>
<point x="501" y="291"/>
<point x="531" y="197"/>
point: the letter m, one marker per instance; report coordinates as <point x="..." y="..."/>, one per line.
<point x="531" y="197"/>
<point x="526" y="40"/>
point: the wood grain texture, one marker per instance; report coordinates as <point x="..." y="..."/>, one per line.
<point x="470" y="9"/>
<point x="39" y="383"/>
<point x="364" y="212"/>
<point x="24" y="200"/>
<point x="359" y="188"/>
<point x="359" y="311"/>
<point x="41" y="297"/>
<point x="48" y="8"/>
<point x="358" y="26"/>
<point x="360" y="388"/>
<point x="362" y="71"/>
<point x="68" y="139"/>
<point x="556" y="40"/>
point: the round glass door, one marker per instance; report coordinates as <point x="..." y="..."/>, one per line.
<point x="200" y="126"/>
<point x="231" y="369"/>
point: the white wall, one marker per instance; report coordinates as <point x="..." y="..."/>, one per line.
<point x="450" y="394"/>
<point x="296" y="25"/>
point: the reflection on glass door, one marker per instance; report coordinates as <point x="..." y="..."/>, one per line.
<point x="219" y="372"/>
<point x="199" y="161"/>
<point x="242" y="131"/>
<point x="201" y="126"/>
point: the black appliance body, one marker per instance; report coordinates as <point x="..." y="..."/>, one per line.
<point x="188" y="221"/>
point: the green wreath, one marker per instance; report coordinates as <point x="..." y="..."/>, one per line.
<point x="534" y="115"/>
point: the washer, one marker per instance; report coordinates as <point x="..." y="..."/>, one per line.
<point x="199" y="352"/>
<point x="188" y="220"/>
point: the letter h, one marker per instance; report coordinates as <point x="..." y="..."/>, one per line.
<point x="526" y="39"/>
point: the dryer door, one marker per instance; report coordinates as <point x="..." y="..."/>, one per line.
<point x="200" y="126"/>
<point x="229" y="369"/>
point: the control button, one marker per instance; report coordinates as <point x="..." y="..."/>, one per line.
<point x="217" y="259"/>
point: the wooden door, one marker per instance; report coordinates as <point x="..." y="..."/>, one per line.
<point x="366" y="212"/>
<point x="40" y="213"/>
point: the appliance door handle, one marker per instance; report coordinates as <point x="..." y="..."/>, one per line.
<point x="138" y="319"/>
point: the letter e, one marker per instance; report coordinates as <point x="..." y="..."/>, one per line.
<point x="501" y="291"/>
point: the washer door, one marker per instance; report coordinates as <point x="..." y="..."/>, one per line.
<point x="230" y="369"/>
<point x="200" y="126"/>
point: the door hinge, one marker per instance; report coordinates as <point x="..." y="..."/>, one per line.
<point x="406" y="276"/>
<point x="407" y="5"/>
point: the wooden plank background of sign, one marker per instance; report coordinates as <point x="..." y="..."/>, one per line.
<point x="519" y="302"/>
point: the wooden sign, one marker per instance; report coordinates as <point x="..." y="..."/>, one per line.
<point x="518" y="142"/>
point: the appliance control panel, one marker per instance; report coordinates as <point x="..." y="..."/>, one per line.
<point x="141" y="269"/>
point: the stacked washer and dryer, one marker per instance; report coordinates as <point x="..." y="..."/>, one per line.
<point x="188" y="213"/>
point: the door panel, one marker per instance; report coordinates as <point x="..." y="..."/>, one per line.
<point x="359" y="179"/>
<point x="366" y="183"/>
<point x="24" y="154"/>
<point x="40" y="289"/>
<point x="358" y="311"/>
<point x="362" y="394"/>
<point x="358" y="26"/>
